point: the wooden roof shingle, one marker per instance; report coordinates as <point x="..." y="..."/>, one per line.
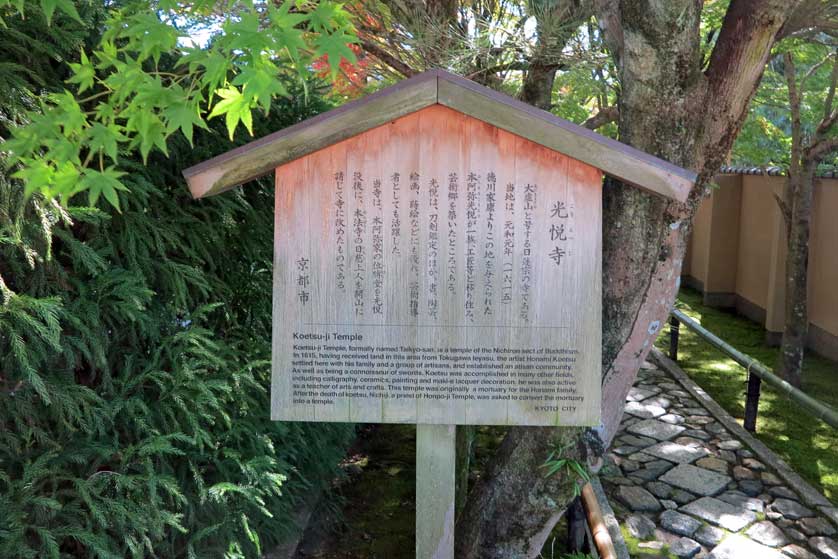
<point x="263" y="155"/>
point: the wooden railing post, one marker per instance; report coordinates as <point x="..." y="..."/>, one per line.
<point x="752" y="402"/>
<point x="674" y="331"/>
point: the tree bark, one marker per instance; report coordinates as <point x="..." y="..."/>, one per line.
<point x="556" y="23"/>
<point x="797" y="214"/>
<point x="792" y="347"/>
<point x="664" y="111"/>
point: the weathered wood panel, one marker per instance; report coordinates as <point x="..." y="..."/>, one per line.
<point x="439" y="270"/>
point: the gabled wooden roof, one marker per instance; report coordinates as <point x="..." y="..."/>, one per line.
<point x="262" y="156"/>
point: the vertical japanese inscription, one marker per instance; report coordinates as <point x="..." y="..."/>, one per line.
<point x="377" y="249"/>
<point x="526" y="260"/>
<point x="359" y="228"/>
<point x="472" y="193"/>
<point x="413" y="214"/>
<point x="489" y="247"/>
<point x="433" y="249"/>
<point x="340" y="233"/>
<point x="453" y="196"/>
<point x="437" y="285"/>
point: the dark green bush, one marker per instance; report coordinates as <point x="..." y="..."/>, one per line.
<point x="135" y="364"/>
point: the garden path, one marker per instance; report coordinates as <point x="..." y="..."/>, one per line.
<point x="684" y="482"/>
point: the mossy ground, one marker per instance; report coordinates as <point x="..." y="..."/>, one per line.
<point x="637" y="552"/>
<point x="377" y="502"/>
<point x="807" y="445"/>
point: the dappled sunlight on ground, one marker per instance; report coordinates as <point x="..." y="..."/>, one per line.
<point x="808" y="445"/>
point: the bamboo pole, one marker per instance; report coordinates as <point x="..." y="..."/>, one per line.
<point x="596" y="523"/>
<point x="814" y="407"/>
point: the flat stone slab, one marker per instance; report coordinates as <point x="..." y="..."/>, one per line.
<point x="640" y="527"/>
<point x="659" y="490"/>
<point x="655" y="429"/>
<point x="740" y="547"/>
<point x="713" y="463"/>
<point x="678" y="453"/>
<point x="672" y="418"/>
<point x="826" y="547"/>
<point x="767" y="534"/>
<point x="751" y="487"/>
<point x="679" y="523"/>
<point x="645" y="411"/>
<point x="796" y="552"/>
<point x="638" y="394"/>
<point x="697" y="480"/>
<point x="684" y="548"/>
<point x="639" y="442"/>
<point x="743" y="501"/>
<point x="638" y="499"/>
<point x="732" y="444"/>
<point x="721" y="514"/>
<point x="831" y="513"/>
<point x="709" y="535"/>
<point x="816" y="526"/>
<point x="790" y="509"/>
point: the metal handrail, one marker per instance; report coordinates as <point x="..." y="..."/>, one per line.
<point x="756" y="370"/>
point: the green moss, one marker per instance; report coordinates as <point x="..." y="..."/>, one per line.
<point x="378" y="515"/>
<point x="804" y="443"/>
<point x="637" y="552"/>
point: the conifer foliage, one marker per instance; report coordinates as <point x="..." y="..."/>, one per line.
<point x="134" y="355"/>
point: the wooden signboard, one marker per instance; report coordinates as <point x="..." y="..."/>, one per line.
<point x="439" y="270"/>
<point x="437" y="261"/>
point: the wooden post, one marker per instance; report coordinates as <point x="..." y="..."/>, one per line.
<point x="752" y="402"/>
<point x="435" y="467"/>
<point x="674" y="330"/>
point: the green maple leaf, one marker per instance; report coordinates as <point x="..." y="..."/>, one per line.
<point x="83" y="73"/>
<point x="68" y="113"/>
<point x="103" y="183"/>
<point x="37" y="176"/>
<point x="104" y="138"/>
<point x="236" y="109"/>
<point x="216" y="66"/>
<point x="336" y="47"/>
<point x="246" y="35"/>
<point x="65" y="180"/>
<point x="150" y="131"/>
<point x="66" y="6"/>
<point x="184" y="116"/>
<point x="260" y="84"/>
<point x="283" y="18"/>
<point x="151" y="36"/>
<point x="325" y="16"/>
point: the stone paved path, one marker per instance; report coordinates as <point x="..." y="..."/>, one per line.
<point x="684" y="486"/>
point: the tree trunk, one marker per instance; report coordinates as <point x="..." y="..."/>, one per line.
<point x="796" y="327"/>
<point x="664" y="111"/>
<point x="556" y="23"/>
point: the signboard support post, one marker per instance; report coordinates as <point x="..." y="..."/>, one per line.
<point x="435" y="470"/>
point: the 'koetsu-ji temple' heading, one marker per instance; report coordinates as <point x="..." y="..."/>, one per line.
<point x="438" y="256"/>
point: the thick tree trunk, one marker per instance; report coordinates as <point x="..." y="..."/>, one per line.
<point x="556" y="23"/>
<point x="537" y="89"/>
<point x="796" y="328"/>
<point x="664" y="111"/>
